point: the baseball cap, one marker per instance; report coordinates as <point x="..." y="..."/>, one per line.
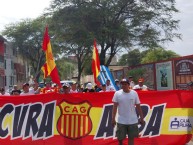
<point x="140" y="80"/>
<point x="89" y="86"/>
<point x="103" y="85"/>
<point x="65" y="85"/>
<point x="130" y="76"/>
<point x="125" y="81"/>
<point x="25" y="84"/>
<point x="116" y="80"/>
<point x="73" y="83"/>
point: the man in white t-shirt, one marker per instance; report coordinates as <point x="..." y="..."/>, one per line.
<point x="74" y="88"/>
<point x="103" y="87"/>
<point x="140" y="85"/>
<point x="28" y="91"/>
<point x="131" y="82"/>
<point x="108" y="85"/>
<point x="125" y="101"/>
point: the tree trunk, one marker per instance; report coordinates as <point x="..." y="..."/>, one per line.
<point x="79" y="69"/>
<point x="102" y="57"/>
<point x="38" y="69"/>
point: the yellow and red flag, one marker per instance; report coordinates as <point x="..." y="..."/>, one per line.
<point x="95" y="64"/>
<point x="44" y="68"/>
<point x="50" y="66"/>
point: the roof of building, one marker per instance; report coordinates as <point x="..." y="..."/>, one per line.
<point x="2" y="38"/>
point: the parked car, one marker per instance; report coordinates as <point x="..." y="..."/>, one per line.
<point x="67" y="81"/>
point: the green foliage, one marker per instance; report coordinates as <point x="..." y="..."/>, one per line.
<point x="66" y="68"/>
<point x="123" y="61"/>
<point x="134" y="57"/>
<point x="158" y="54"/>
<point x="88" y="67"/>
<point x="136" y="73"/>
<point x="131" y="59"/>
<point x="115" y="24"/>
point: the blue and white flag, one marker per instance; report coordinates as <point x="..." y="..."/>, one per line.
<point x="105" y="75"/>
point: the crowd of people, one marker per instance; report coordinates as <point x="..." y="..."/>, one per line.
<point x="29" y="89"/>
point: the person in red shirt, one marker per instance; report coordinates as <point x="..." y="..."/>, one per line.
<point x="48" y="88"/>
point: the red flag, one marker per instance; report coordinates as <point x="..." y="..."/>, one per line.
<point x="95" y="63"/>
<point x="51" y="66"/>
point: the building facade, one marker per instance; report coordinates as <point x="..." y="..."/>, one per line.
<point x="13" y="68"/>
<point x="2" y="70"/>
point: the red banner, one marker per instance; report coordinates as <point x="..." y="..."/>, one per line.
<point x="85" y="118"/>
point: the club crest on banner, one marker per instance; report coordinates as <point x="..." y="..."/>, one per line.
<point x="74" y="121"/>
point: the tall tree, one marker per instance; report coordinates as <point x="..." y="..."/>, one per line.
<point x="123" y="60"/>
<point x="132" y="58"/>
<point x="72" y="36"/>
<point x="116" y="24"/>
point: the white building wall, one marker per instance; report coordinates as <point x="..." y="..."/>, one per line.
<point x="9" y="69"/>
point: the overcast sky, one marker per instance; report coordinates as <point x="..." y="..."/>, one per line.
<point x="15" y="10"/>
<point x="184" y="46"/>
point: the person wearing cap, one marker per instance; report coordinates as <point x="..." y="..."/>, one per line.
<point x="190" y="86"/>
<point x="132" y="83"/>
<point x="26" y="90"/>
<point x="30" y="91"/>
<point x="103" y="87"/>
<point x="140" y="85"/>
<point x="89" y="88"/>
<point x="65" y="88"/>
<point x="124" y="101"/>
<point x="74" y="88"/>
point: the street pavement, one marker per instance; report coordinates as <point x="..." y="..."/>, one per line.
<point x="191" y="142"/>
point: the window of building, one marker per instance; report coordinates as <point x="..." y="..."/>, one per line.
<point x="1" y="58"/>
<point x="12" y="65"/>
<point x="5" y="81"/>
<point x="14" y="51"/>
<point x="5" y="46"/>
<point x="11" y="80"/>
<point x="5" y="64"/>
